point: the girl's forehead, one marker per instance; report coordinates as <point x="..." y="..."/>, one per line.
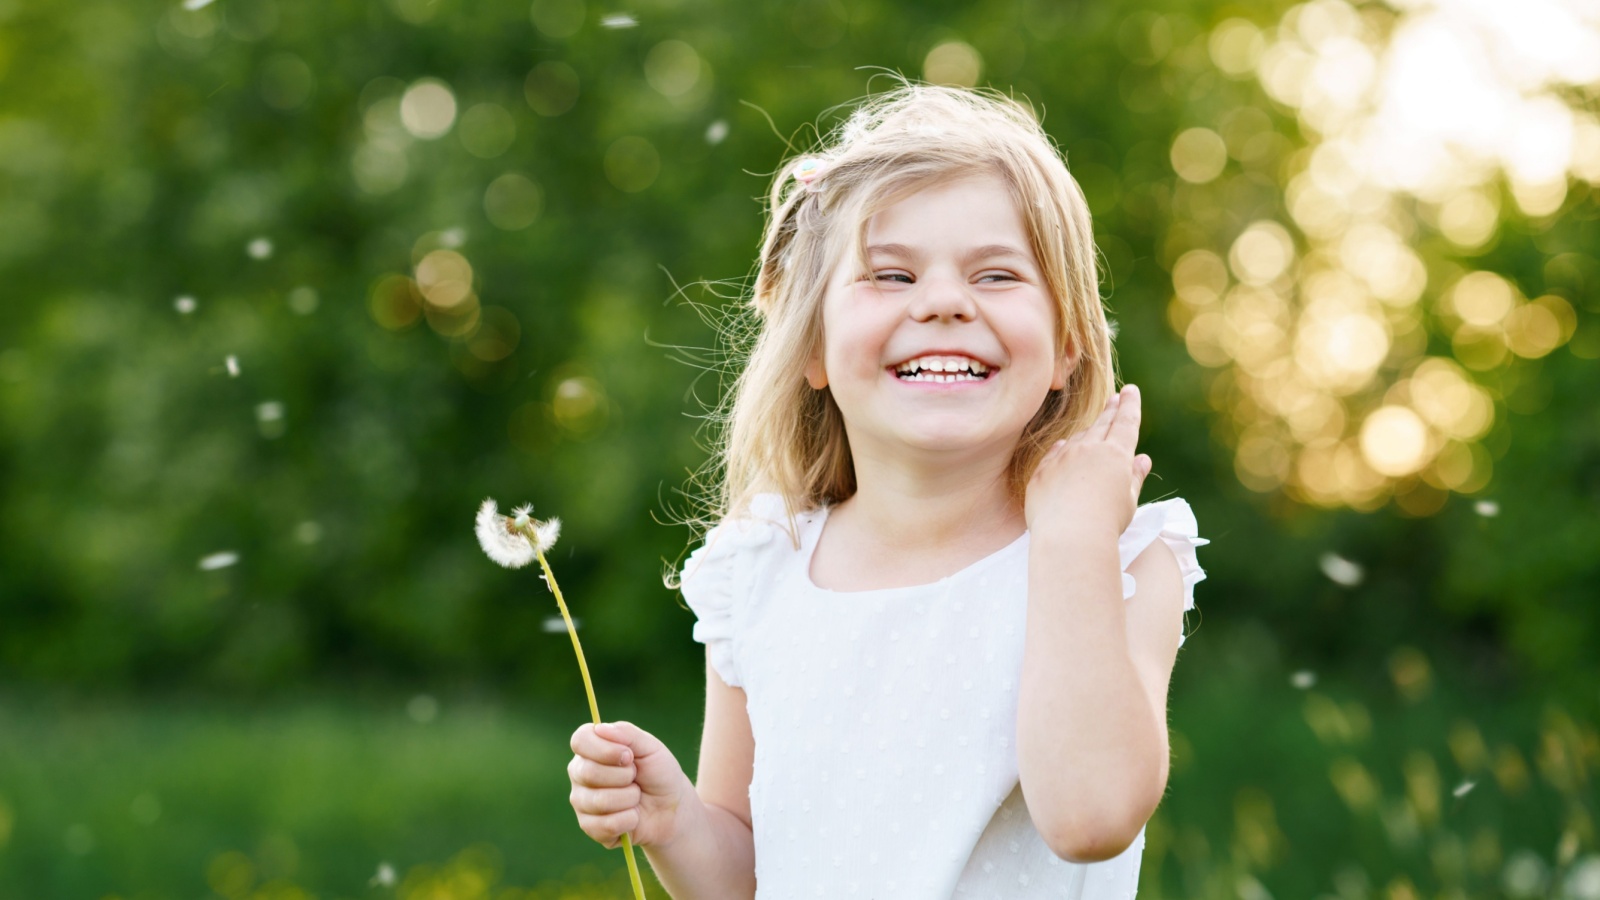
<point x="947" y="208"/>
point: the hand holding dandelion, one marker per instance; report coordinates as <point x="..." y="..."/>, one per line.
<point x="514" y="541"/>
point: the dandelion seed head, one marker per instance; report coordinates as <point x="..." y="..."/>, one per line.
<point x="1341" y="571"/>
<point x="548" y="531"/>
<point x="522" y="516"/>
<point x="500" y="539"/>
<point x="219" y="560"/>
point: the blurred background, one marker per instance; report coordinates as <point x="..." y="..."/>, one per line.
<point x="290" y="288"/>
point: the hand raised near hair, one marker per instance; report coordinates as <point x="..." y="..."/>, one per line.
<point x="1092" y="479"/>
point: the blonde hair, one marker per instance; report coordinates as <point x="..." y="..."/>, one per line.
<point x="779" y="434"/>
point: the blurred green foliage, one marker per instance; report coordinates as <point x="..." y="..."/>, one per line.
<point x="204" y="350"/>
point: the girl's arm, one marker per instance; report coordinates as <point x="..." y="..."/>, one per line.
<point x="1091" y="717"/>
<point x="1092" y="742"/>
<point x="712" y="851"/>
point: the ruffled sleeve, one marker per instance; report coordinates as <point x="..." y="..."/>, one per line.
<point x="1171" y="521"/>
<point x="719" y="576"/>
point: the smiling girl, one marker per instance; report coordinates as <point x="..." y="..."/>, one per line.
<point x="939" y="628"/>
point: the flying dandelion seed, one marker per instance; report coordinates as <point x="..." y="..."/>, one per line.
<point x="260" y="248"/>
<point x="384" y="877"/>
<point x="619" y="20"/>
<point x="1486" y="508"/>
<point x="308" y="532"/>
<point x="220" y="560"/>
<point x="1303" y="679"/>
<point x="1462" y="788"/>
<point x="1342" y="571"/>
<point x="192" y="5"/>
<point x="451" y="238"/>
<point x="716" y="132"/>
<point x="185" y="305"/>
<point x="1111" y="328"/>
<point x="555" y="625"/>
<point x="232" y="362"/>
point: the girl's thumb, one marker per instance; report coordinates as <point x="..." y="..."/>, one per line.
<point x="640" y="741"/>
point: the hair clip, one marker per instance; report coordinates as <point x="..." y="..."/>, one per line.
<point x="807" y="172"/>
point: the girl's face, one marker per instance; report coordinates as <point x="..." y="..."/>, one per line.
<point x="952" y="348"/>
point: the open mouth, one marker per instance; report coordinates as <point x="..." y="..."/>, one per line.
<point x="942" y="369"/>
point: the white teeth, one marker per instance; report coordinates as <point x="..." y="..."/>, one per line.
<point x="965" y="366"/>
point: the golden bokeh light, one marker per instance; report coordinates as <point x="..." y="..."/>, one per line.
<point x="445" y="278"/>
<point x="1319" y="318"/>
<point x="1394" y="441"/>
<point x="1261" y="253"/>
<point x="428" y="109"/>
<point x="1199" y="155"/>
<point x="953" y="62"/>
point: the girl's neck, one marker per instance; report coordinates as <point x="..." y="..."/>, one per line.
<point x="917" y="511"/>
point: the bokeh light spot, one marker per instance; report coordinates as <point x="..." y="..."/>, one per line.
<point x="1394" y="441"/>
<point x="428" y="109"/>
<point x="953" y="62"/>
<point x="513" y="201"/>
<point x="551" y="88"/>
<point x="1199" y="155"/>
<point x="672" y="68"/>
<point x="487" y="130"/>
<point x="1261" y="253"/>
<point x="632" y="164"/>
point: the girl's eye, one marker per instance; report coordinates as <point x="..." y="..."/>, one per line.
<point x="1006" y="276"/>
<point x="889" y="276"/>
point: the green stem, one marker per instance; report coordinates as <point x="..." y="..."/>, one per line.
<point x="588" y="687"/>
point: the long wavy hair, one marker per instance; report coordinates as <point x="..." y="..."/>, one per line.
<point x="773" y="431"/>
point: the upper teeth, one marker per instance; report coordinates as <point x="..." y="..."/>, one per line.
<point x="942" y="364"/>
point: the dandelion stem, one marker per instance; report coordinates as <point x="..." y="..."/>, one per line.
<point x="594" y="708"/>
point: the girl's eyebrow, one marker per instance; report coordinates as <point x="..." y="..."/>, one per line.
<point x="987" y="251"/>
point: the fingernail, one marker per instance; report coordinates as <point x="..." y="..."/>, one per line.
<point x="627" y="757"/>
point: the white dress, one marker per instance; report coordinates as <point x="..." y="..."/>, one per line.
<point x="885" y="720"/>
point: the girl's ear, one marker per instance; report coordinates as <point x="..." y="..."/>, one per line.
<point x="816" y="375"/>
<point x="1066" y="364"/>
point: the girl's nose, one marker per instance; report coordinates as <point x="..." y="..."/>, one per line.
<point x="943" y="298"/>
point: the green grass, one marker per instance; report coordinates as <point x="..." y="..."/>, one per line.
<point x="152" y="799"/>
<point x="1356" y="786"/>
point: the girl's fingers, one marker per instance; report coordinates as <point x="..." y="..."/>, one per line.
<point x="589" y="744"/>
<point x="605" y="802"/>
<point x="1141" y="470"/>
<point x="590" y="773"/>
<point x="1124" y="429"/>
<point x="608" y="830"/>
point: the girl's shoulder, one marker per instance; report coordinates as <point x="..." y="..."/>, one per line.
<point x="1172" y="522"/>
<point x="724" y="570"/>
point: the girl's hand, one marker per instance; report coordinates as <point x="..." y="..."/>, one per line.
<point x="1093" y="476"/>
<point x="624" y="781"/>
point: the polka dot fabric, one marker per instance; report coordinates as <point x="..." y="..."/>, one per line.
<point x="885" y="720"/>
